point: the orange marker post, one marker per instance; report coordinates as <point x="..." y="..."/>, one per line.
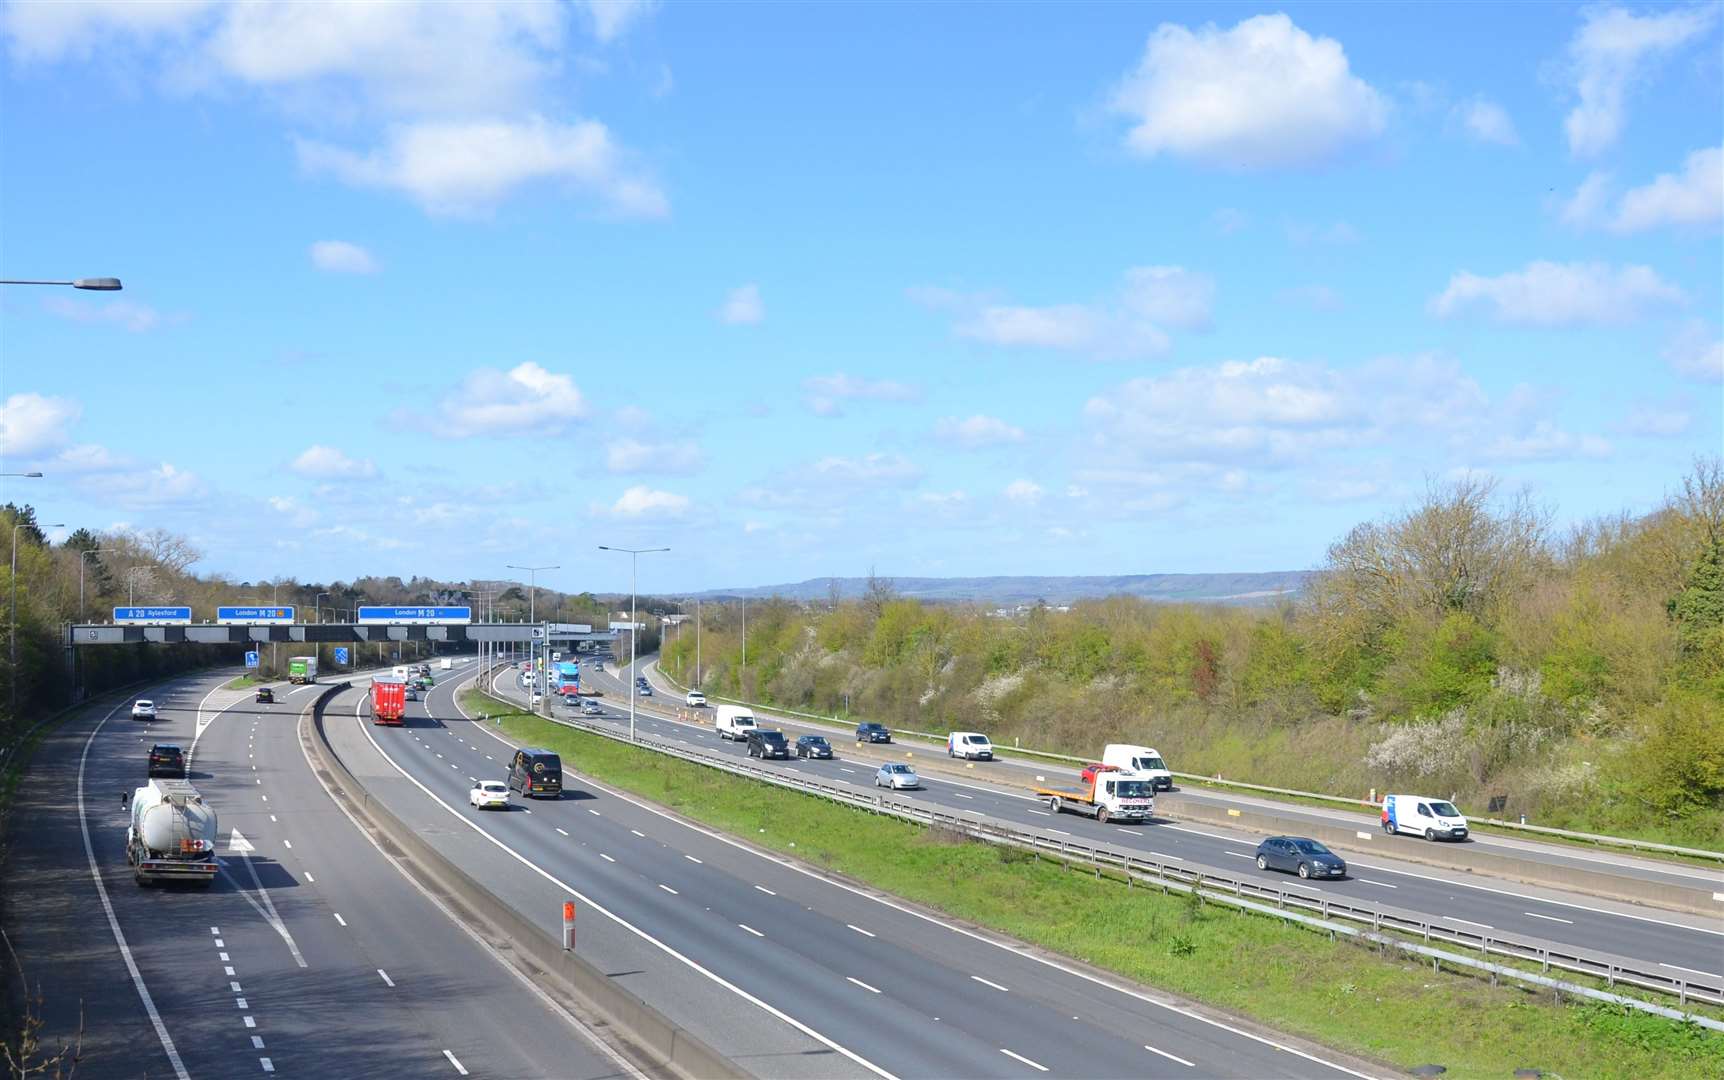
<point x="568" y="926"/>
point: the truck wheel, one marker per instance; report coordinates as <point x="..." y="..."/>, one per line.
<point x="1101" y="815"/>
<point x="1054" y="804"/>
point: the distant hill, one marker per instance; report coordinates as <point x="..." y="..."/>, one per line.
<point x="1263" y="588"/>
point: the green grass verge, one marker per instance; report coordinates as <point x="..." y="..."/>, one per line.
<point x="1342" y="995"/>
<point x="243" y="682"/>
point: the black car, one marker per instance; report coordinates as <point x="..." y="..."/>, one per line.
<point x="872" y="733"/>
<point x="813" y="746"/>
<point x="1300" y="855"/>
<point x="265" y="696"/>
<point x="767" y="743"/>
<point x="167" y="760"/>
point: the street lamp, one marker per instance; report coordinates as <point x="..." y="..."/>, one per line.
<point x="12" y="618"/>
<point x="533" y="588"/>
<point x="82" y="555"/>
<point x="98" y="284"/>
<point x="634" y="555"/>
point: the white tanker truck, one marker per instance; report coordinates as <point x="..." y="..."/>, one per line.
<point x="172" y="836"/>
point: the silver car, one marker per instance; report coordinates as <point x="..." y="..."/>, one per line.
<point x="897" y="776"/>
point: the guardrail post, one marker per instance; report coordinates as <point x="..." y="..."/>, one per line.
<point x="1682" y="991"/>
<point x="1128" y="873"/>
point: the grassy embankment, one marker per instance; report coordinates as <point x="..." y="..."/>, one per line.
<point x="1346" y="997"/>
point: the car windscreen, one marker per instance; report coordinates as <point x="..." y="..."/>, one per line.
<point x="1311" y="847"/>
<point x="776" y="738"/>
<point x="814" y="740"/>
<point x="1443" y="809"/>
<point x="1144" y="764"/>
<point x="1132" y="789"/>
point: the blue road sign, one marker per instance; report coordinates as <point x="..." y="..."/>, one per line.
<point x="270" y="614"/>
<point x="251" y="659"/>
<point x="425" y="615"/>
<point x="340" y="655"/>
<point x="159" y="616"/>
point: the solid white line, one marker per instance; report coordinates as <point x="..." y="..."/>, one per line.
<point x="859" y="930"/>
<point x="1679" y="967"/>
<point x="452" y="1060"/>
<point x="114" y="921"/>
<point x="605" y="857"/>
<point x="995" y="985"/>
<point x="862" y="984"/>
<point x="339" y="919"/>
<point x="1025" y="1060"/>
<point x="1549" y="918"/>
<point x="668" y="889"/>
<point x="766" y="890"/>
<point x="751" y="929"/>
<point x="637" y="931"/>
<point x="385" y="976"/>
<point x="1168" y="1056"/>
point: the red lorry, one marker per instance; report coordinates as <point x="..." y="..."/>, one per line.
<point x="388" y="702"/>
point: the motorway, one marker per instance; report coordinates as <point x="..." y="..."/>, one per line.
<point x="1681" y="942"/>
<point x="310" y="955"/>
<point x="788" y="972"/>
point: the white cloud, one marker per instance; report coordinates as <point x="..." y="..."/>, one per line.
<point x="525" y="400"/>
<point x="143" y="488"/>
<point x="327" y="463"/>
<point x="351" y="534"/>
<point x="1693" y="197"/>
<point x="32" y="423"/>
<point x="612" y="18"/>
<point x="298" y="515"/>
<point x="1544" y="442"/>
<point x="49" y="31"/>
<point x="1487" y="122"/>
<point x="1128" y="324"/>
<point x="1229" y="220"/>
<point x="1027" y="492"/>
<point x="1697" y="353"/>
<point x="465" y="167"/>
<point x="1588" y="202"/>
<point x="1559" y="294"/>
<point x="1316" y="297"/>
<point x="1610" y="53"/>
<point x="1260" y="95"/>
<point x="1337" y="234"/>
<point x="644" y="502"/>
<point x="634" y="456"/>
<point x="341" y="257"/>
<point x="742" y="307"/>
<point x="1658" y="419"/>
<point x="868" y="470"/>
<point x="822" y="394"/>
<point x="977" y="431"/>
<point x="125" y="314"/>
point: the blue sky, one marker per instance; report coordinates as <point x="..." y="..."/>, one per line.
<point x="805" y="290"/>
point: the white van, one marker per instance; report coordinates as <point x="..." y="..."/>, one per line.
<point x="734" y="722"/>
<point x="1433" y="819"/>
<point x="1145" y="761"/>
<point x="969" y="745"/>
<point x="401" y="672"/>
<point x="446" y="663"/>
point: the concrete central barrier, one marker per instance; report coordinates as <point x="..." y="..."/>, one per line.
<point x="667" y="1049"/>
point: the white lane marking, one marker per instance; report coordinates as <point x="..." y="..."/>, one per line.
<point x="562" y="830"/>
<point x="1119" y="828"/>
<point x="638" y="833"/>
<point x="1043" y="813"/>
<point x="311" y="879"/>
<point x="257" y="1042"/>
<point x="694" y="965"/>
<point x="272" y="817"/>
<point x="250" y="1021"/>
<point x="751" y="929"/>
<point x="670" y="890"/>
<point x="289" y="843"/>
<point x="766" y="890"/>
<point x="223" y="957"/>
<point x="961" y="795"/>
<point x="215" y="931"/>
<point x="1549" y="918"/>
<point x="227" y="971"/>
<point x="239" y="1003"/>
<point x="268" y="1065"/>
<point x="605" y="857"/>
<point x="1025" y="1060"/>
<point x="995" y="985"/>
<point x="595" y="813"/>
<point x="114" y="921"/>
<point x="1469" y="922"/>
<point x="339" y="919"/>
<point x="1059" y="832"/>
<point x="692" y="859"/>
<point x="384" y="975"/>
<point x="233" y="986"/>
<point x="1379" y="884"/>
<point x="843" y="769"/>
<point x="859" y="930"/>
<point x="453" y="1060"/>
<point x="1237" y="854"/>
<point x="862" y="984"/>
<point x="1679" y="967"/>
<point x="1168" y="1056"/>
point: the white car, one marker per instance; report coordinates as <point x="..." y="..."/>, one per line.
<point x="537" y="698"/>
<point x="694" y="699"/>
<point x="489" y="793"/>
<point x="143" y="709"/>
<point x="897" y="776"/>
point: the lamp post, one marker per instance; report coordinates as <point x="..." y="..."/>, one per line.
<point x="533" y="588"/>
<point x="314" y="605"/>
<point x="99" y="284"/>
<point x="533" y="618"/>
<point x="12" y="620"/>
<point x="634" y="555"/>
<point x="82" y="555"/>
